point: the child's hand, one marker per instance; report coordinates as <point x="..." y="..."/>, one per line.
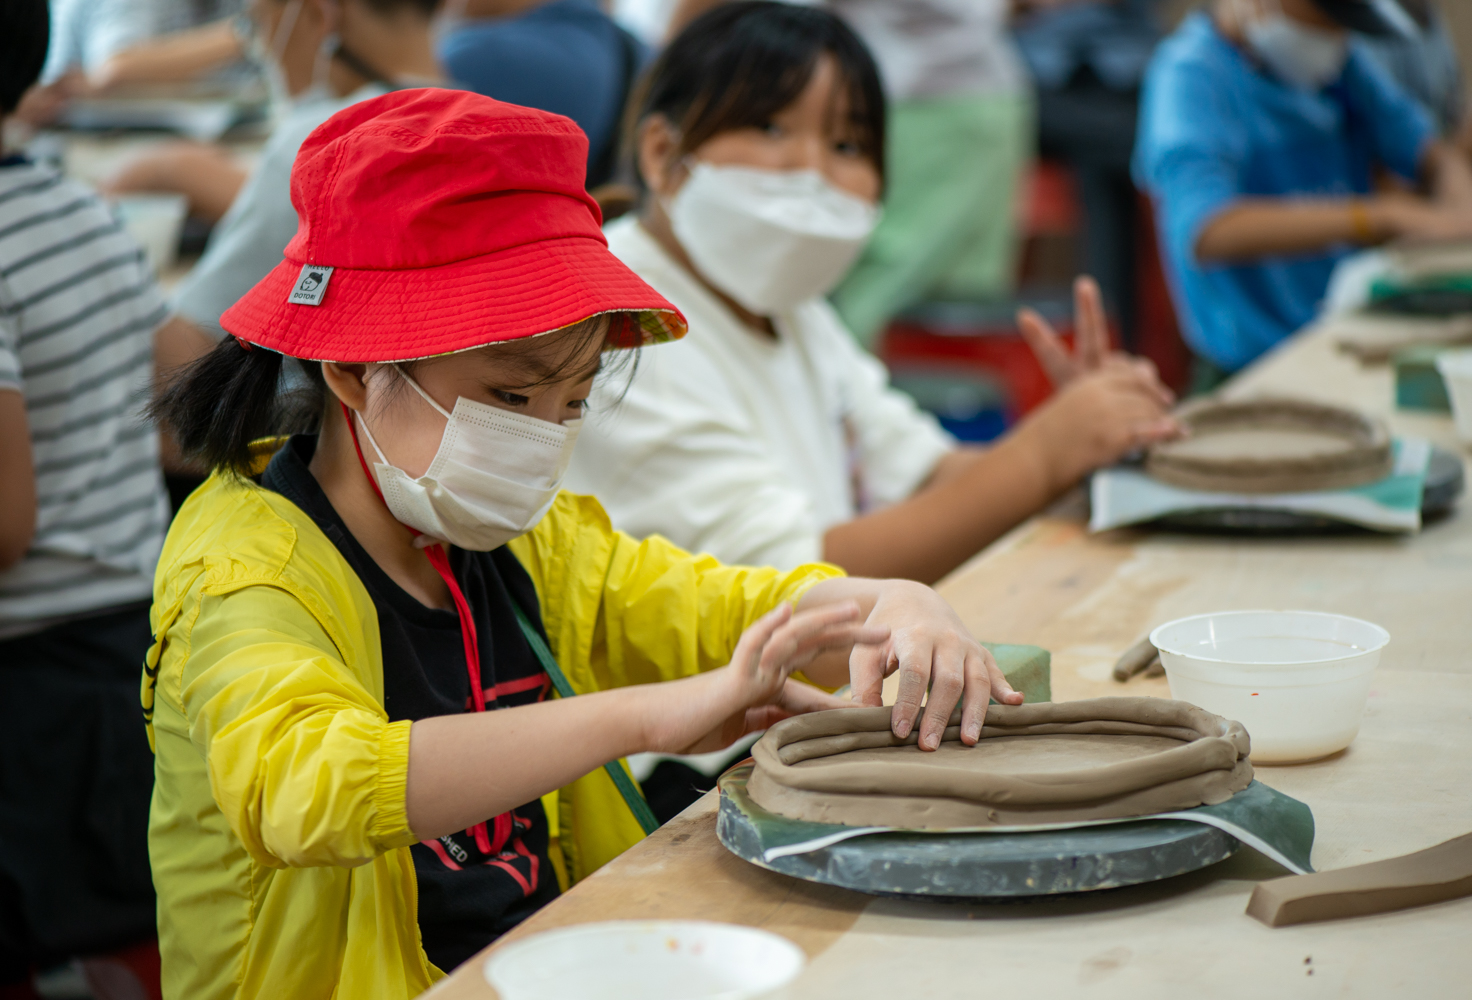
<point x="1094" y="421"/>
<point x="933" y="652"/>
<point x="714" y="710"/>
<point x="1091" y="345"/>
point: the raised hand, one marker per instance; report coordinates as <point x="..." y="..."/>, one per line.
<point x="1091" y="351"/>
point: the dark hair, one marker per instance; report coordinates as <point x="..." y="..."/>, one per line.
<point x="739" y="64"/>
<point x="219" y="404"/>
<point x="25" y="33"/>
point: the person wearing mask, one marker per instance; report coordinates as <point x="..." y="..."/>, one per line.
<point x="1261" y="132"/>
<point x="961" y="124"/>
<point x="564" y="56"/>
<point x="321" y="56"/>
<point x="768" y="436"/>
<point x="362" y="777"/>
<point x="82" y="519"/>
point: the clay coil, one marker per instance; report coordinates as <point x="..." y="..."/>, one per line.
<point x="801" y="771"/>
<point x="1272" y="446"/>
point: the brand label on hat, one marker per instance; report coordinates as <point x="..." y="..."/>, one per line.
<point x="310" y="286"/>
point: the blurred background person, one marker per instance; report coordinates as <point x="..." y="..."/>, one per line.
<point x="100" y="45"/>
<point x="326" y="55"/>
<point x="317" y="56"/>
<point x="961" y="133"/>
<point x="82" y="519"/>
<point x="767" y="436"/>
<point x="1087" y="59"/>
<point x="1261" y="132"/>
<point x="564" y="56"/>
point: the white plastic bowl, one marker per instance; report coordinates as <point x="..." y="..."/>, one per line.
<point x="1455" y="368"/>
<point x="645" y="960"/>
<point x="1298" y="680"/>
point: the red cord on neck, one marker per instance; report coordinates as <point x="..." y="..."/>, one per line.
<point x="440" y="560"/>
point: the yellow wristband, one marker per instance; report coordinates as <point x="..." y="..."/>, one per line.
<point x="1361" y="229"/>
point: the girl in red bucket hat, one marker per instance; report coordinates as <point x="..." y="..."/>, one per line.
<point x="395" y="669"/>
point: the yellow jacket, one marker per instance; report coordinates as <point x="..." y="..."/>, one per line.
<point x="278" y="833"/>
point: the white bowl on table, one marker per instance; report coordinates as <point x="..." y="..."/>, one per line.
<point x="1298" y="680"/>
<point x="1455" y="368"/>
<point x="645" y="960"/>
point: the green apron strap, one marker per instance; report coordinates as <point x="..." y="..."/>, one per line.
<point x="621" y="780"/>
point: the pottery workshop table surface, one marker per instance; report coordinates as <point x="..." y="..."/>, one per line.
<point x="1402" y="786"/>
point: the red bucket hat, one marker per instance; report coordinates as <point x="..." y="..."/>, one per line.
<point x="434" y="221"/>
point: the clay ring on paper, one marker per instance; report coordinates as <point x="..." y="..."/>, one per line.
<point x="1272" y="446"/>
<point x="1049" y="762"/>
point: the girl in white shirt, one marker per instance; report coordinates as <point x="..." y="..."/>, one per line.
<point x="766" y="435"/>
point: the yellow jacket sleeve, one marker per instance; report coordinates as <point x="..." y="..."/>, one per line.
<point x="302" y="760"/>
<point x="620" y="611"/>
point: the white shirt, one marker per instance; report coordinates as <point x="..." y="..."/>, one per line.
<point x="250" y="238"/>
<point x="936" y="48"/>
<point x="741" y="445"/>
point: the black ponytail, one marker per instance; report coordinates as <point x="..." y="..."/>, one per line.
<point x="220" y="403"/>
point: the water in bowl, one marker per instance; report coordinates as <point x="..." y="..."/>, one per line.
<point x="1274" y="649"/>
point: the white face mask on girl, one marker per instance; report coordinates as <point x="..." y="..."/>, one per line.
<point x="268" y="57"/>
<point x="1298" y="54"/>
<point x="493" y="478"/>
<point x="769" y="239"/>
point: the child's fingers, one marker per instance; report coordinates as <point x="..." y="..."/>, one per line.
<point x="801" y="639"/>
<point x="1090" y="323"/>
<point x="839" y="636"/>
<point x="915" y="662"/>
<point x="1150" y="432"/>
<point x="947" y="685"/>
<point x="1151" y="376"/>
<point x="777" y="628"/>
<point x="797" y="698"/>
<point x="758" y="634"/>
<point x="794" y="698"/>
<point x="980" y="686"/>
<point x="1047" y="346"/>
<point x="866" y="671"/>
<point x="1001" y="687"/>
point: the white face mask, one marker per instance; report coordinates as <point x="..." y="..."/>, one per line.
<point x="1300" y="55"/>
<point x="267" y="53"/>
<point x="268" y="56"/>
<point x="460" y="499"/>
<point x="769" y="239"/>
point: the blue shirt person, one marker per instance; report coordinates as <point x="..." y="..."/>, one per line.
<point x="1219" y="131"/>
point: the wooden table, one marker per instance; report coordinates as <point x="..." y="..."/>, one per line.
<point x="1403" y="784"/>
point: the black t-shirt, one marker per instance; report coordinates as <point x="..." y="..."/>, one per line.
<point x="467" y="898"/>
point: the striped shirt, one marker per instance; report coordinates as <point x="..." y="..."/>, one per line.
<point x="78" y="308"/>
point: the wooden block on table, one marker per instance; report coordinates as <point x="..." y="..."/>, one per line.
<point x="1438" y="873"/>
